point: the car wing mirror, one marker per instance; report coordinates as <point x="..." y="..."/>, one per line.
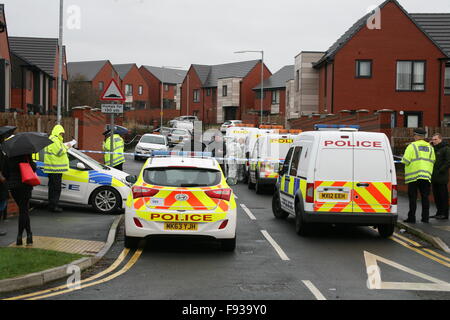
<point x="131" y="179"/>
<point x="81" y="166"/>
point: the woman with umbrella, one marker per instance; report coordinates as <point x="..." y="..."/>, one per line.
<point x="5" y="132"/>
<point x="19" y="149"/>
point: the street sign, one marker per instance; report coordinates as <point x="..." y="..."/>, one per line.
<point x="113" y="92"/>
<point x="112" y="108"/>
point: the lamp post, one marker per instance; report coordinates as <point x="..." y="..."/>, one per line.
<point x="162" y="90"/>
<point x="262" y="79"/>
<point x="60" y="62"/>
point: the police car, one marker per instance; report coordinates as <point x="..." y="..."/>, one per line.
<point x="87" y="182"/>
<point x="177" y="195"/>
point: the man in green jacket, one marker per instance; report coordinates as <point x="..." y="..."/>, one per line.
<point x="439" y="180"/>
<point x="419" y="160"/>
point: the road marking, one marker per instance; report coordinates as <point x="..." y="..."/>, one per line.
<point x="275" y="245"/>
<point x="248" y="212"/>
<point x="236" y="197"/>
<point x="314" y="290"/>
<point x="425" y="249"/>
<point x="374" y="281"/>
<point x="445" y="228"/>
<point x="111" y="268"/>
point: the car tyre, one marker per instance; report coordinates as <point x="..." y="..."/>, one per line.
<point x="276" y="207"/>
<point x="251" y="185"/>
<point x="301" y="227"/>
<point x="258" y="187"/>
<point x="106" y="200"/>
<point x="386" y="230"/>
<point x="228" y="245"/>
<point x="131" y="242"/>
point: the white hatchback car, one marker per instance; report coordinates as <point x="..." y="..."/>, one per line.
<point x="149" y="143"/>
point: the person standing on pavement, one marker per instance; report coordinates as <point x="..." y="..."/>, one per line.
<point x="118" y="148"/>
<point x="440" y="178"/>
<point x="4" y="193"/>
<point x="419" y="160"/>
<point x="56" y="163"/>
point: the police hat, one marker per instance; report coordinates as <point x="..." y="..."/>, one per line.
<point x="420" y="132"/>
<point x="107" y="132"/>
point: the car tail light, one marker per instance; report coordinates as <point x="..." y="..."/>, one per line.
<point x="310" y="193"/>
<point x="224" y="194"/>
<point x="138" y="223"/>
<point x="223" y="225"/>
<point x="142" y="192"/>
<point x="394" y="195"/>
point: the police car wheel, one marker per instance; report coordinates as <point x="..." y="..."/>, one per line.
<point x="106" y="200"/>
<point x="228" y="244"/>
<point x="258" y="187"/>
<point x="386" y="230"/>
<point x="300" y="226"/>
<point x="251" y="185"/>
<point x="276" y="207"/>
<point x="131" y="242"/>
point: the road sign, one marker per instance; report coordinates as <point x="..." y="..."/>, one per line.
<point x="112" y="108"/>
<point x="113" y="92"/>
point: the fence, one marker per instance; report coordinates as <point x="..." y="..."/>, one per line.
<point x="401" y="137"/>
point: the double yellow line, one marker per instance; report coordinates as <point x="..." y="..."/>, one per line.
<point x="414" y="246"/>
<point x="88" y="281"/>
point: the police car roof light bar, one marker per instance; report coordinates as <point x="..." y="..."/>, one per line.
<point x="182" y="154"/>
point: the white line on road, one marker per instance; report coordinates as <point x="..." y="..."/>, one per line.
<point x="248" y="212"/>
<point x="236" y="197"/>
<point x="314" y="290"/>
<point x="275" y="245"/>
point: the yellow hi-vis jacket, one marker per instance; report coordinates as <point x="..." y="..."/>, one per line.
<point x="55" y="155"/>
<point x="419" y="160"/>
<point x="118" y="147"/>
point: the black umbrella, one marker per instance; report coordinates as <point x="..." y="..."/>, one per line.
<point x="6" y="132"/>
<point x="25" y="143"/>
<point x="118" y="130"/>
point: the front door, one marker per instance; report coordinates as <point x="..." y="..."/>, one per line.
<point x="230" y="113"/>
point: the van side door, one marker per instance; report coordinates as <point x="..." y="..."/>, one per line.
<point x="288" y="182"/>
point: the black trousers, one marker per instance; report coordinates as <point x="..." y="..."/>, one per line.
<point x="119" y="167"/>
<point x="54" y="188"/>
<point x="22" y="196"/>
<point x="424" y="187"/>
<point x="440" y="193"/>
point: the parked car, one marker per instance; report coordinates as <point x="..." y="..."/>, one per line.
<point x="179" y="136"/>
<point x="183" y="118"/>
<point x="149" y="143"/>
<point x="184" y="125"/>
<point x="228" y="124"/>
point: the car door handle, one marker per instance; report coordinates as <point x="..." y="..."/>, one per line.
<point x="363" y="185"/>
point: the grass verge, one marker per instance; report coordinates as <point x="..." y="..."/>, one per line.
<point x="15" y="262"/>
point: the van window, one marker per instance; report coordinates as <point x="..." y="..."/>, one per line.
<point x="287" y="161"/>
<point x="295" y="161"/>
<point x="335" y="165"/>
<point x="376" y="161"/>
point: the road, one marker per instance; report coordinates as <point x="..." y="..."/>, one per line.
<point x="271" y="262"/>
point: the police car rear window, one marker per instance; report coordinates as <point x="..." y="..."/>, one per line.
<point x="153" y="140"/>
<point x="182" y="177"/>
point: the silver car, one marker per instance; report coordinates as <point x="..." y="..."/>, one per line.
<point x="177" y="136"/>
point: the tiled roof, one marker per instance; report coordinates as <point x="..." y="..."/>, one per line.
<point x="210" y="75"/>
<point x="167" y="75"/>
<point x="437" y="26"/>
<point x="123" y="69"/>
<point x="86" y="69"/>
<point x="279" y="79"/>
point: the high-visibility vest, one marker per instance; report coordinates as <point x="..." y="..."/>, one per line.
<point x="55" y="157"/>
<point x="419" y="161"/>
<point x="118" y="147"/>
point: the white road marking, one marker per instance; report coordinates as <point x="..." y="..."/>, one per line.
<point x="314" y="290"/>
<point x="248" y="212"/>
<point x="275" y="245"/>
<point x="236" y="197"/>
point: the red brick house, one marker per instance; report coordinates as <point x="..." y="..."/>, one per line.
<point x="5" y="64"/>
<point x="134" y="86"/>
<point x="402" y="66"/>
<point x="35" y="64"/>
<point x="221" y="92"/>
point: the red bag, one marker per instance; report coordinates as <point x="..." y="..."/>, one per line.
<point x="28" y="175"/>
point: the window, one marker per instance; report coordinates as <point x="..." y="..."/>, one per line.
<point x="413" y="119"/>
<point x="276" y="97"/>
<point x="166" y="87"/>
<point x="411" y="75"/>
<point x="364" y="68"/>
<point x="258" y="94"/>
<point x="208" y="92"/>
<point x="287" y="162"/>
<point x="101" y="86"/>
<point x="447" y="80"/>
<point x="196" y="95"/>
<point x="128" y="89"/>
<point x="30" y="81"/>
<point x="224" y="91"/>
<point x="141" y="90"/>
<point x="182" y="177"/>
<point x="295" y="161"/>
<point x="297" y="81"/>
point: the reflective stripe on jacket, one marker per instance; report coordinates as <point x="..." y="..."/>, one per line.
<point x="118" y="147"/>
<point x="419" y="160"/>
<point x="55" y="156"/>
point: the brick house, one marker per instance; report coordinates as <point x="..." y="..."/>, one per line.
<point x="95" y="75"/>
<point x="5" y="64"/>
<point x="402" y="66"/>
<point x="35" y="64"/>
<point x="221" y="92"/>
<point x="171" y="79"/>
<point x="134" y="86"/>
<point x="276" y="91"/>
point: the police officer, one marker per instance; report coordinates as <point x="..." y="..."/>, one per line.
<point x="419" y="160"/>
<point x="118" y="158"/>
<point x="56" y="162"/>
<point x="439" y="180"/>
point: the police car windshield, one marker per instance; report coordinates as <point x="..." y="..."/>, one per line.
<point x="182" y="177"/>
<point x="153" y="140"/>
<point x="92" y="162"/>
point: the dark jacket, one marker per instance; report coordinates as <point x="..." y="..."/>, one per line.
<point x="442" y="164"/>
<point x="3" y="187"/>
<point x="11" y="171"/>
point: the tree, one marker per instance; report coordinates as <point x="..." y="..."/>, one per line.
<point x="82" y="93"/>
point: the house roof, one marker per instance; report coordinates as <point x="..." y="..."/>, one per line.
<point x="40" y="52"/>
<point x="167" y="75"/>
<point x="123" y="69"/>
<point x="86" y="69"/>
<point x="437" y="26"/>
<point x="279" y="79"/>
<point x="425" y="25"/>
<point x="210" y="75"/>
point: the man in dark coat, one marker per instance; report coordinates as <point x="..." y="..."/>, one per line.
<point x="440" y="178"/>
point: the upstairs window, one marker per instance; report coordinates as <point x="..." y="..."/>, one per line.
<point x="410" y="75"/>
<point x="128" y="90"/>
<point x="141" y="90"/>
<point x="196" y="96"/>
<point x="166" y="87"/>
<point x="364" y="68"/>
<point x="447" y="80"/>
<point x="101" y="86"/>
<point x="224" y="91"/>
<point x="276" y="97"/>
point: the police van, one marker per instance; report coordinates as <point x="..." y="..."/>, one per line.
<point x="269" y="151"/>
<point x="338" y="177"/>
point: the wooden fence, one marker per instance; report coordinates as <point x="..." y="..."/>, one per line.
<point x="401" y="137"/>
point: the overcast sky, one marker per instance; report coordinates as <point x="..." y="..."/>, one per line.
<point x="182" y="32"/>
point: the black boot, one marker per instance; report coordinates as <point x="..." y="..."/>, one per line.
<point x="29" y="238"/>
<point x="19" y="241"/>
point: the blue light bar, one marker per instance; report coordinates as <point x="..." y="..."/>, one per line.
<point x="335" y="126"/>
<point x="182" y="154"/>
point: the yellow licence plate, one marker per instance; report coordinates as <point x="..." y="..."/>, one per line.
<point x="180" y="226"/>
<point x="333" y="196"/>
